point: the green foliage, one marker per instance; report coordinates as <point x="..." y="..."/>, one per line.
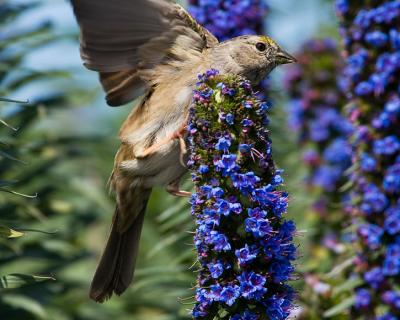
<point x="54" y="200"/>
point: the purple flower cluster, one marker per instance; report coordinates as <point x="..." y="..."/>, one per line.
<point x="245" y="247"/>
<point x="230" y="18"/>
<point x="371" y="33"/>
<point x="315" y="115"/>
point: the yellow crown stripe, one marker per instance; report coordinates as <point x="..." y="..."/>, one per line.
<point x="268" y="40"/>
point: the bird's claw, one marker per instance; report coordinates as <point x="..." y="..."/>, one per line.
<point x="173" y="188"/>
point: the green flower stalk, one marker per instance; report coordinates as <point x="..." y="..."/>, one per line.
<point x="244" y="245"/>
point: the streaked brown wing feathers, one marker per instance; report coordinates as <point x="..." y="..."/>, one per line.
<point x="122" y="38"/>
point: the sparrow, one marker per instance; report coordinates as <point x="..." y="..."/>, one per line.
<point x="153" y="50"/>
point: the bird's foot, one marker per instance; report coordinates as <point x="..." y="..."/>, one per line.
<point x="173" y="188"/>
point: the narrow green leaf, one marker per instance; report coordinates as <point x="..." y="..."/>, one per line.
<point x="347" y="186"/>
<point x="337" y="270"/>
<point x="339" y="308"/>
<point x="19" y="194"/>
<point x="8" y="125"/>
<point x="164" y="243"/>
<point x="15" y="101"/>
<point x="25" y="303"/>
<point x="17" y="280"/>
<point x="10" y="157"/>
<point x="346" y="286"/>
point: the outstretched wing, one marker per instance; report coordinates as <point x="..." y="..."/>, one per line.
<point x="125" y="39"/>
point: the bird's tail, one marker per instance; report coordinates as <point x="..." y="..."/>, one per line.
<point x="116" y="267"/>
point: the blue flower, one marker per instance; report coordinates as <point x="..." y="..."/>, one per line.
<point x="395" y="39"/>
<point x="363" y="298"/>
<point x="247" y="123"/>
<point x="386" y="146"/>
<point x="371" y="234"/>
<point x="281" y="270"/>
<point x="219" y="241"/>
<point x="246" y="254"/>
<point x="374" y="277"/>
<point x="364" y="88"/>
<point x="230" y="118"/>
<point x="244" y="148"/>
<point x="235" y="207"/>
<point x="277" y="308"/>
<point x="217" y="192"/>
<point x="387" y="316"/>
<point x="374" y="199"/>
<point x="391" y="264"/>
<point x="391" y="181"/>
<point x="227" y="164"/>
<point x="391" y="298"/>
<point x="248" y="104"/>
<point x="206" y="189"/>
<point x="392" y="222"/>
<point x="216" y="269"/>
<point x="258" y="227"/>
<point x="229" y="294"/>
<point x="376" y="38"/>
<point x="245" y="182"/>
<point x="247" y="315"/>
<point x="223" y="144"/>
<point x="252" y="285"/>
<point x="211" y="217"/>
<point x="214" y="294"/>
<point x="203" y="169"/>
<point x="368" y="163"/>
<point x="342" y="6"/>
<point x="256" y="213"/>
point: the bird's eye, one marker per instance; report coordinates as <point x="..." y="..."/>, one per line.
<point x="261" y="46"/>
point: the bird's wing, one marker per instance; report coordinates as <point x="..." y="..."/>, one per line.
<point x="125" y="39"/>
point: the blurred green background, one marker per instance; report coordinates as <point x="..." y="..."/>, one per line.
<point x="57" y="151"/>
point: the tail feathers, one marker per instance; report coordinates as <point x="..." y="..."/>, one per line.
<point x="116" y="267"/>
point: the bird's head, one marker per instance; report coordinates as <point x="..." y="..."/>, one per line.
<point x="252" y="56"/>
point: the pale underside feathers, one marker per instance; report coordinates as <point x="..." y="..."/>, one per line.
<point x="126" y="40"/>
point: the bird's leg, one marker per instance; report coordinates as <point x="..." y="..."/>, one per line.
<point x="173" y="188"/>
<point x="178" y="134"/>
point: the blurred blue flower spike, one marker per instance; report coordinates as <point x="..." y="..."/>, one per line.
<point x="370" y="31"/>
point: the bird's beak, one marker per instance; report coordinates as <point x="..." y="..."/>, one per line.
<point x="283" y="57"/>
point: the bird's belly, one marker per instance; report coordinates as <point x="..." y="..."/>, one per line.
<point x="171" y="167"/>
<point x="160" y="168"/>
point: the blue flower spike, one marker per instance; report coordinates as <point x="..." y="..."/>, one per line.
<point x="245" y="247"/>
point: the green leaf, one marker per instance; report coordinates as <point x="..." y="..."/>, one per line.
<point x="6" y="232"/>
<point x="18" y="193"/>
<point x="339" y="269"/>
<point x="339" y="308"/>
<point x="17" y="280"/>
<point x="348" y="285"/>
<point x="347" y="186"/>
<point x="10" y="157"/>
<point x="8" y="125"/>
<point x="14" y="101"/>
<point x="6" y="183"/>
<point x="25" y="303"/>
